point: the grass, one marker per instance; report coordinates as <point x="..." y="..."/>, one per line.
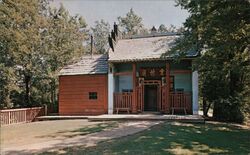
<point x="176" y="138"/>
<point x="84" y="130"/>
<point x="95" y="128"/>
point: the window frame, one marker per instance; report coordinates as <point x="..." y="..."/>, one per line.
<point x="93" y="95"/>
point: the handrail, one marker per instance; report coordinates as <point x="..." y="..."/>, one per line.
<point x="19" y="109"/>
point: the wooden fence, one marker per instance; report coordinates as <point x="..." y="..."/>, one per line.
<point x="14" y="116"/>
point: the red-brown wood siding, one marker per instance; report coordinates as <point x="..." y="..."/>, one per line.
<point x="74" y="94"/>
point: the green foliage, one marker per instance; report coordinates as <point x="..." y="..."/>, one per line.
<point x="219" y="31"/>
<point x="62" y="44"/>
<point x="131" y="23"/>
<point x="100" y="33"/>
<point x="162" y="28"/>
<point x="20" y="26"/>
<point x="36" y="42"/>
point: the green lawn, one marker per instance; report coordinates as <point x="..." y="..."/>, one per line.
<point x="176" y="138"/>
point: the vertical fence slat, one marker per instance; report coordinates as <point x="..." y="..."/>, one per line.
<point x="25" y="118"/>
<point x="9" y="118"/>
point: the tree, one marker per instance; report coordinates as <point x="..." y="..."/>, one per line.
<point x="7" y="78"/>
<point x="21" y="24"/>
<point x="100" y="33"/>
<point x="144" y="31"/>
<point x="172" y="28"/>
<point x="218" y="30"/>
<point x="162" y="28"/>
<point x="62" y="44"/>
<point x="35" y="43"/>
<point x="180" y="30"/>
<point x="131" y="23"/>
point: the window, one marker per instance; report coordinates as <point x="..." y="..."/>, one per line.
<point x="179" y="90"/>
<point x="93" y="95"/>
<point x="127" y="90"/>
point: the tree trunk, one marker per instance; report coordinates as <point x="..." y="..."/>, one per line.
<point x="208" y="107"/>
<point x="217" y="111"/>
<point x="53" y="91"/>
<point x="8" y="100"/>
<point x="27" y="80"/>
<point x="204" y="102"/>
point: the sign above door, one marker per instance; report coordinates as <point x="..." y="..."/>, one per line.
<point x="152" y="72"/>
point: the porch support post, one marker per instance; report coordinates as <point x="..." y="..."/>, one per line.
<point x="134" y="104"/>
<point x="195" y="92"/>
<point x="167" y="106"/>
<point x="110" y="89"/>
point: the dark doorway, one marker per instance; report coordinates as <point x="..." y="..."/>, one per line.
<point x="150" y="98"/>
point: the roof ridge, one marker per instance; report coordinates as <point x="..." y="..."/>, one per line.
<point x="152" y="35"/>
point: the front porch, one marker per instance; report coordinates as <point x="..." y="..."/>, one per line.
<point x="179" y="101"/>
<point x="159" y="86"/>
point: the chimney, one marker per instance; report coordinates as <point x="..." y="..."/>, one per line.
<point x="91" y="46"/>
<point x="113" y="35"/>
<point x="153" y="30"/>
<point x="116" y="29"/>
<point x="111" y="43"/>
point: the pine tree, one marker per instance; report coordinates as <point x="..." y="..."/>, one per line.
<point x="100" y="32"/>
<point x="131" y="23"/>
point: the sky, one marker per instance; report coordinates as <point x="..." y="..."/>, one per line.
<point x="153" y="12"/>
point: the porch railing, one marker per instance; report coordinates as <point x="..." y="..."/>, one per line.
<point x="181" y="100"/>
<point x="177" y="100"/>
<point x="123" y="100"/>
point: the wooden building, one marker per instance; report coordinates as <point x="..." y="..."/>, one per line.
<point x="135" y="77"/>
<point x="83" y="87"/>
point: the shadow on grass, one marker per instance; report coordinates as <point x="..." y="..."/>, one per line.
<point x="96" y="128"/>
<point x="82" y="131"/>
<point x="175" y="138"/>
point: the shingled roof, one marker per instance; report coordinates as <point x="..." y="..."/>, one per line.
<point x="97" y="64"/>
<point x="143" y="48"/>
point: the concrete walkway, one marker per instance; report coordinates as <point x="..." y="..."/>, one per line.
<point x="44" y="136"/>
<point x="132" y="117"/>
<point x="149" y="117"/>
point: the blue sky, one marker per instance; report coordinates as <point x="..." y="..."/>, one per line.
<point x="153" y="12"/>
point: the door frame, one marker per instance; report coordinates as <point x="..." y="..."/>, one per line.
<point x="158" y="84"/>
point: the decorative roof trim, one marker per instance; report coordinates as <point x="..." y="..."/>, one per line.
<point x="150" y="59"/>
